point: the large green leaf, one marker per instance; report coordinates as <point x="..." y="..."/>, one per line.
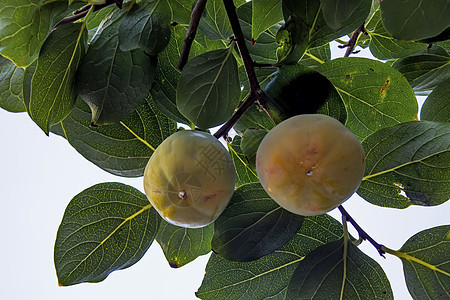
<point x="415" y="19"/>
<point x="24" y="26"/>
<point x="11" y="82"/>
<point x="375" y="95"/>
<point x="263" y="49"/>
<point x="122" y="149"/>
<point x="425" y="70"/>
<point x="182" y="245"/>
<point x="214" y="22"/>
<point x="252" y="225"/>
<point x="306" y="27"/>
<point x="106" y="227"/>
<point x="407" y="164"/>
<point x="267" y="277"/>
<point x="244" y="173"/>
<point x="316" y="56"/>
<point x="208" y="90"/>
<point x="181" y="10"/>
<point x="436" y="107"/>
<point x="113" y="82"/>
<point x="265" y="14"/>
<point x="298" y="89"/>
<point x="52" y="86"/>
<point x="383" y="45"/>
<point x="339" y="270"/>
<point x="146" y="26"/>
<point x="426" y="263"/>
<point x="164" y="89"/>
<point x="335" y="12"/>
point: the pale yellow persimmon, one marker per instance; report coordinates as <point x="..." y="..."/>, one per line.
<point x="309" y="164"/>
<point x="190" y="179"/>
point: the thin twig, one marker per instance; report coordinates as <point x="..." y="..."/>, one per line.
<point x="191" y="31"/>
<point x="256" y="94"/>
<point x="353" y="40"/>
<point x="82" y="12"/>
<point x="362" y="234"/>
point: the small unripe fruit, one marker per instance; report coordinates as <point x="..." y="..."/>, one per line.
<point x="309" y="164"/>
<point x="190" y="179"/>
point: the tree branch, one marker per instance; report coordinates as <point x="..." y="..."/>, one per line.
<point x="362" y="234"/>
<point x="256" y="94"/>
<point x="82" y="12"/>
<point x="196" y="14"/>
<point x="353" y="40"/>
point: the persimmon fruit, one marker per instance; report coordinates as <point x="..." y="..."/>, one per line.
<point x="190" y="178"/>
<point x="309" y="164"/>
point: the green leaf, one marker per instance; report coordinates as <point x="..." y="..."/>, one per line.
<point x="436" y="106"/>
<point x="244" y="173"/>
<point x="181" y="10"/>
<point x="334" y="271"/>
<point x="425" y="258"/>
<point x="252" y="225"/>
<point x="183" y="245"/>
<point x="121" y="149"/>
<point x="316" y="56"/>
<point x="164" y="89"/>
<point x="425" y="70"/>
<point x="265" y="14"/>
<point x="24" y="26"/>
<point x="250" y="143"/>
<point x="107" y="227"/>
<point x="306" y="27"/>
<point x="214" y="22"/>
<point x="383" y="45"/>
<point x="52" y="86"/>
<point x="146" y="26"/>
<point x="335" y="12"/>
<point x="268" y="276"/>
<point x="375" y="95"/>
<point x="298" y="89"/>
<point x="208" y="90"/>
<point x="113" y="82"/>
<point x="407" y="164"/>
<point x="11" y="81"/>
<point x="263" y="49"/>
<point x="415" y="19"/>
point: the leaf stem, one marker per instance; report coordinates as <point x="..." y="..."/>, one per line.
<point x="82" y="12"/>
<point x="196" y="14"/>
<point x="362" y="234"/>
<point x="256" y="93"/>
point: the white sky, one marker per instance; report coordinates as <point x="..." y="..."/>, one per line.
<point x="40" y="175"/>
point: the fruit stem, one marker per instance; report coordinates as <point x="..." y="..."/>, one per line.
<point x="362" y="234"/>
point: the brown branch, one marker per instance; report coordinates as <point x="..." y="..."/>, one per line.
<point x="256" y="94"/>
<point x="82" y="12"/>
<point x="191" y="31"/>
<point x="362" y="234"/>
<point x="353" y="40"/>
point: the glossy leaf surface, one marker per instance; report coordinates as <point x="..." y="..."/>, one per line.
<point x="244" y="173"/>
<point x="252" y="225"/>
<point x="407" y="164"/>
<point x="426" y="263"/>
<point x="333" y="271"/>
<point x="436" y="107"/>
<point x="267" y="277"/>
<point x="122" y="149"/>
<point x="11" y="81"/>
<point x="374" y="94"/>
<point x="182" y="245"/>
<point x="52" y="86"/>
<point x="208" y="90"/>
<point x="106" y="227"/>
